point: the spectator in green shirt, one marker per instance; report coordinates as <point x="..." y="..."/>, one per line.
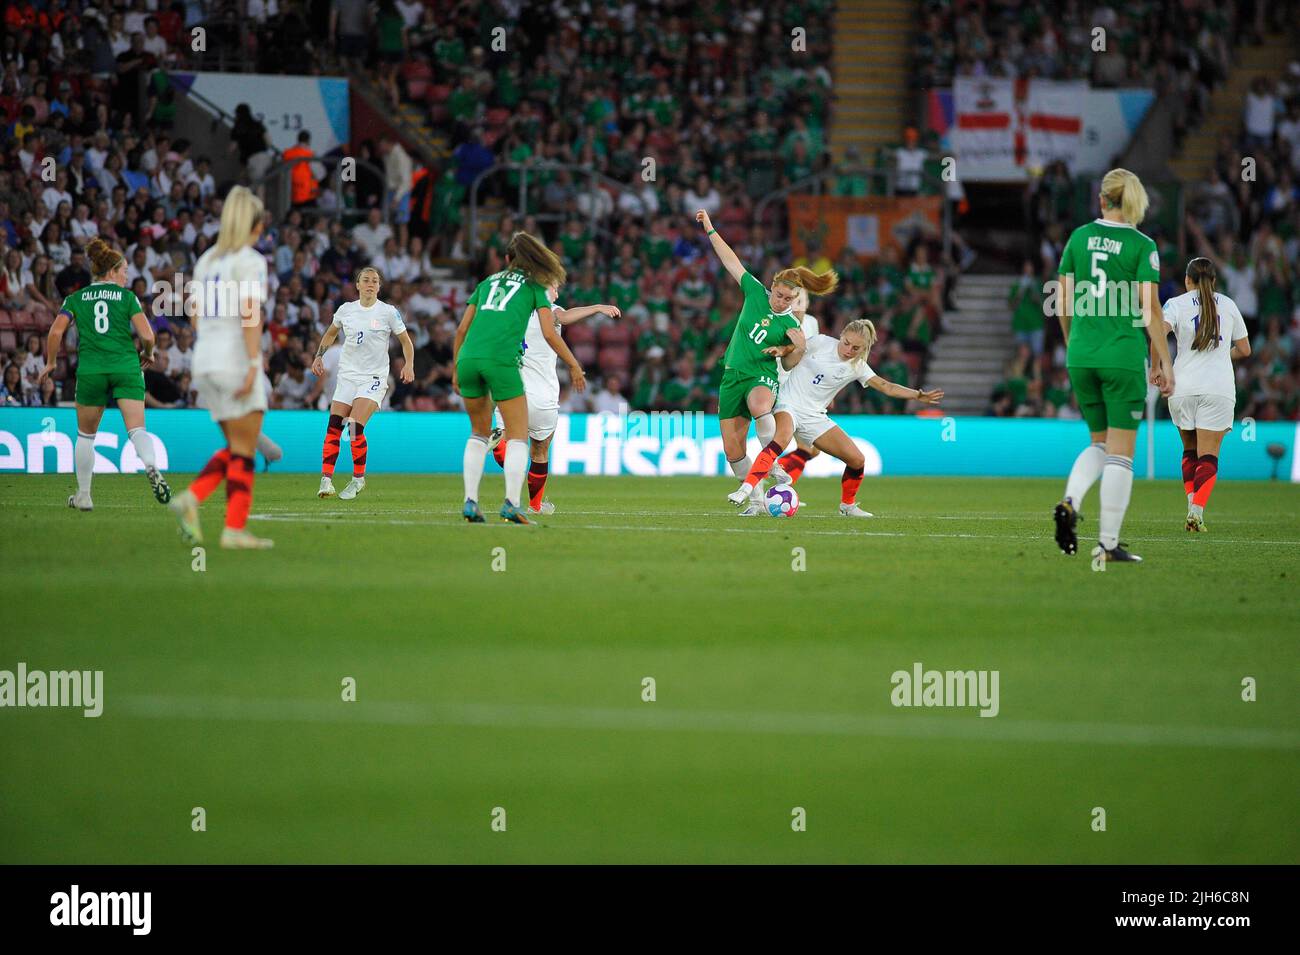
<point x="1026" y="301"/>
<point x="684" y="391"/>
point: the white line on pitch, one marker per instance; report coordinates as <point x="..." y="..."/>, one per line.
<point x="964" y="726"/>
<point x="362" y="519"/>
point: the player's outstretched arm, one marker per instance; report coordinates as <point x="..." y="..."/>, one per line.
<point x="730" y="261"/>
<point x="567" y="316"/>
<point x="577" y="376"/>
<point x="326" y="340"/>
<point x="902" y="391"/>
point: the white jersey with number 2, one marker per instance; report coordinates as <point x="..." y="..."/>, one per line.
<point x="364" y="333"/>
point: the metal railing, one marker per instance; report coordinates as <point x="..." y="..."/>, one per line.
<point x="275" y="186"/>
<point x="595" y="180"/>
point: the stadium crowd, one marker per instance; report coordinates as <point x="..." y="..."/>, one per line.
<point x="1248" y="225"/>
<point x="596" y="90"/>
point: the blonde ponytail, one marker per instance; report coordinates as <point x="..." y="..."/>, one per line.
<point x="240" y="213"/>
<point x="1123" y="190"/>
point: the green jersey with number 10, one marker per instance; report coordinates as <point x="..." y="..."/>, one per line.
<point x="757" y="327"/>
<point x="502" y="304"/>
<point x="1108" y="261"/>
<point x="102" y="312"/>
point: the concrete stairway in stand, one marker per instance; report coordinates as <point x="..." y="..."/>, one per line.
<point x="967" y="359"/>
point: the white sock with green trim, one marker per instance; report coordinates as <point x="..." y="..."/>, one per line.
<point x="84" y="458"/>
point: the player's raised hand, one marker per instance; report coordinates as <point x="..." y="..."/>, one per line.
<point x="703" y="219"/>
<point x="932" y="397"/>
<point x="610" y="310"/>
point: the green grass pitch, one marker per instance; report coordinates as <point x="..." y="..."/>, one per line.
<point x="521" y="688"/>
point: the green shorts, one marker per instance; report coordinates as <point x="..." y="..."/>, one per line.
<point x="1110" y="397"/>
<point x="93" y="387"/>
<point x="482" y="376"/>
<point x="735" y="389"/>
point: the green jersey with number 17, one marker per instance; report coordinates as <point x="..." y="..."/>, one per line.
<point x="102" y="313"/>
<point x="757" y="327"/>
<point x="1108" y="260"/>
<point x="503" y="303"/>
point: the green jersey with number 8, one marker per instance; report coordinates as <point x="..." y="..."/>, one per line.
<point x="1108" y="260"/>
<point x="502" y="305"/>
<point x="757" y="327"/>
<point x="102" y="312"/>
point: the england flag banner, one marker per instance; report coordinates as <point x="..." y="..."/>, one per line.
<point x="984" y="134"/>
<point x="1053" y="118"/>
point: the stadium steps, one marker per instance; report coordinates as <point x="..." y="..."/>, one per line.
<point x="873" y="48"/>
<point x="966" y="361"/>
<point x="1227" y="109"/>
<point x="428" y="148"/>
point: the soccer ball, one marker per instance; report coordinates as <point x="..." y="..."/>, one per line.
<point x="782" y="501"/>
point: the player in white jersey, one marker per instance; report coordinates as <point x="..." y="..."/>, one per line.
<point x="828" y="365"/>
<point x="542" y="389"/>
<point x="1205" y="388"/>
<point x="365" y="326"/>
<point x="230" y="282"/>
<point x="811" y="329"/>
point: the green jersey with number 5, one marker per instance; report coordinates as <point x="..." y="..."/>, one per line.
<point x="503" y="304"/>
<point x="1108" y="261"/>
<point x="757" y="327"/>
<point x="103" y="313"/>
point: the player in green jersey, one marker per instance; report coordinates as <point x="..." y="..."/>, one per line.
<point x="1109" y="277"/>
<point x="108" y="362"/>
<point x="487" y="355"/>
<point x="766" y="330"/>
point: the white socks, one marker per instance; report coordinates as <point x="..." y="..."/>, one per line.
<point x="515" y="466"/>
<point x="84" y="458"/>
<point x="1087" y="468"/>
<point x="765" y="425"/>
<point x="143" y="447"/>
<point x="1116" y="489"/>
<point x="741" y="470"/>
<point x="475" y="453"/>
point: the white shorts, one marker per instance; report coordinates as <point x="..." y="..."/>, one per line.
<point x="217" y="393"/>
<point x="808" y="425"/>
<point x="352" y="387"/>
<point x="541" y="422"/>
<point x="1209" y="412"/>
